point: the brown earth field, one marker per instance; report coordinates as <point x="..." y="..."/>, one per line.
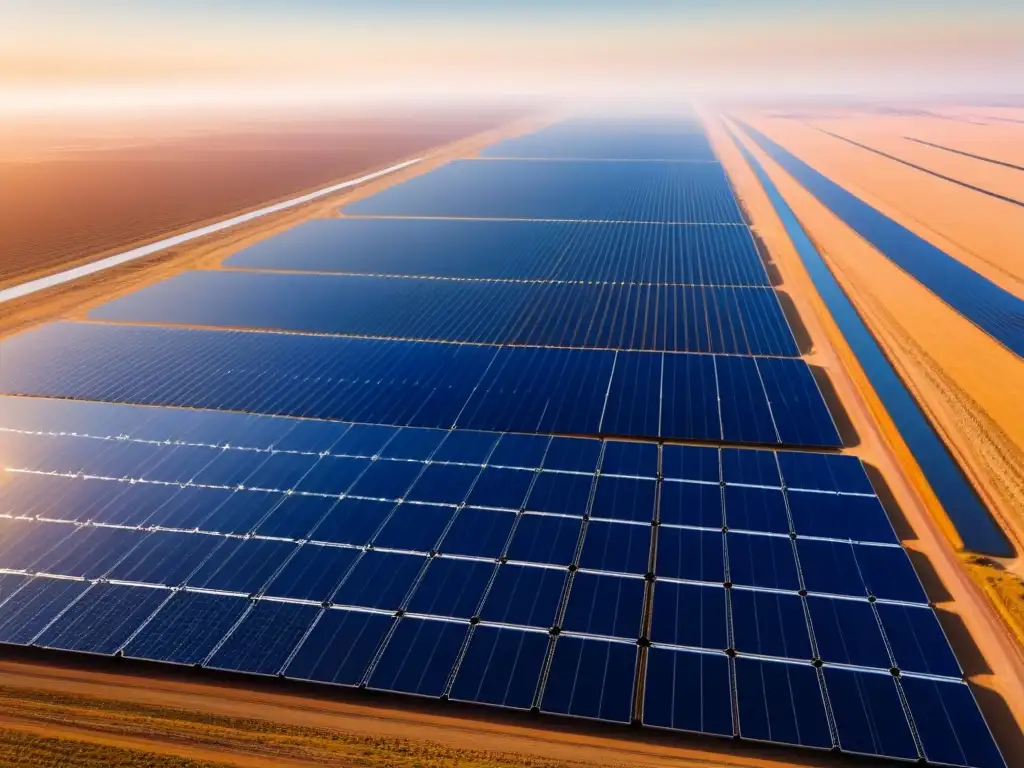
<point x="77" y="191"/>
<point x="137" y="714"/>
<point x="983" y="232"/>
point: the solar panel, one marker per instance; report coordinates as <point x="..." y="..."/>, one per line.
<point x="691" y="615"/>
<point x="781" y="703"/>
<point x="265" y="638"/>
<point x="419" y="657"/>
<point x="339" y="647"/>
<point x="591" y="678"/>
<point x="501" y="667"/>
<point x="688" y="691"/>
<point x="469" y="249"/>
<point x="525" y="189"/>
<point x="566" y="314"/>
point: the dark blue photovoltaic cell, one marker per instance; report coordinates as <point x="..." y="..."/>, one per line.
<point x="11" y="583"/>
<point x="419" y="657"/>
<point x="501" y="667"/>
<point x="690" y="555"/>
<point x="860" y="570"/>
<point x="330" y="474"/>
<point x="560" y="493"/>
<point x="242" y="565"/>
<point x="781" y="703"/>
<point x="383" y="479"/>
<point x="89" y="552"/>
<point x="413" y="444"/>
<point x="917" y="641"/>
<point x="175" y="507"/>
<point x="522" y="451"/>
<point x="564" y="314"/>
<point x="478" y="533"/>
<point x="888" y="573"/>
<point x="352" y="521"/>
<point x="443" y="484"/>
<point x="165" y="557"/>
<point x="549" y="189"/>
<point x="499" y="488"/>
<point x="511" y="250"/>
<point x="27" y="612"/>
<point x="755" y="509"/>
<point x="690" y="401"/>
<point x="762" y="561"/>
<point x="591" y="678"/>
<point x="624" y="498"/>
<point x="364" y="440"/>
<point x="615" y="547"/>
<point x="800" y="413"/>
<point x="611" y="606"/>
<point x="829" y="515"/>
<point x="414" y="527"/>
<point x="451" y="588"/>
<point x="769" y="624"/>
<point x="634" y="395"/>
<point x="545" y="539"/>
<point x="693" y="615"/>
<point x="310" y="436"/>
<point x="631" y="459"/>
<point x="746" y="467"/>
<point x="340" y="647"/>
<point x="312" y="573"/>
<point x="466" y="446"/>
<point x="540" y="390"/>
<point x="241" y="512"/>
<point x="187" y="628"/>
<point x="524" y="595"/>
<point x="295" y="517"/>
<point x="688" y="691"/>
<point x="696" y="504"/>
<point x="824" y="472"/>
<point x="687" y="462"/>
<point x="949" y="723"/>
<point x="52" y="497"/>
<point x="265" y="638"/>
<point x="847" y="632"/>
<point x="869" y="715"/>
<point x="829" y="567"/>
<point x="746" y="415"/>
<point x="380" y="580"/>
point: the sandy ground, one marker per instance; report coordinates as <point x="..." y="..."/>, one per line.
<point x="520" y="740"/>
<point x="982" y="232"/>
<point x="989" y="651"/>
<point x="75" y="192"/>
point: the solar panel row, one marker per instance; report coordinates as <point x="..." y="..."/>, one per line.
<point x="642" y="317"/>
<point x="573" y="674"/>
<point x="637" y="191"/>
<point x="527" y="389"/>
<point x="665" y="254"/>
<point x="226" y="429"/>
<point x="607" y="140"/>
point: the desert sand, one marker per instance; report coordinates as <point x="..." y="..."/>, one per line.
<point x="77" y="192"/>
<point x="972" y="618"/>
<point x="982" y="232"/>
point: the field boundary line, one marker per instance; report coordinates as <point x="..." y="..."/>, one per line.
<point x="67" y="276"/>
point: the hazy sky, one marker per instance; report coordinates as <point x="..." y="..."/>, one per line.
<point x="95" y="49"/>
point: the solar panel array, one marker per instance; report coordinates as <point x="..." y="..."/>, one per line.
<point x="483" y="501"/>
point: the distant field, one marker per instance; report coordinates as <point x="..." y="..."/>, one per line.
<point x="71" y="191"/>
